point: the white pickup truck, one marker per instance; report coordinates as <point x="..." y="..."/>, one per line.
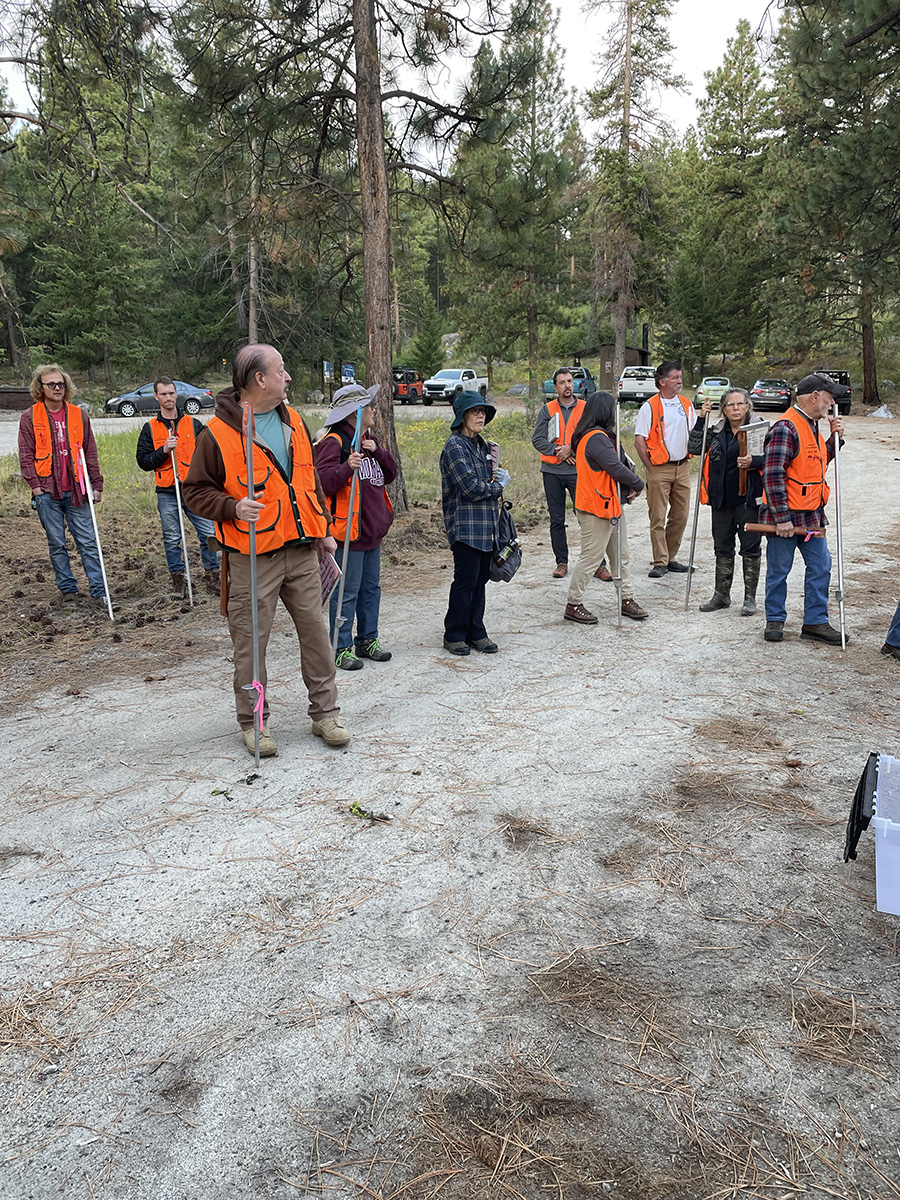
<point x="637" y="384"/>
<point x="447" y="384"/>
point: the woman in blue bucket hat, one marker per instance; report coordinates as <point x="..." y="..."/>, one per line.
<point x="471" y="487"/>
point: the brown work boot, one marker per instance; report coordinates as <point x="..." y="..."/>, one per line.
<point x="822" y="633"/>
<point x="213" y="581"/>
<point x="178" y="585"/>
<point x="603" y="573"/>
<point x="631" y="608"/>
<point x="577" y="612"/>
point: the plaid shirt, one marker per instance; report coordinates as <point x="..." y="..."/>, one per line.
<point x="782" y="447"/>
<point x="468" y="493"/>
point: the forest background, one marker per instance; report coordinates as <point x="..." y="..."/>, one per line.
<point x="188" y="177"/>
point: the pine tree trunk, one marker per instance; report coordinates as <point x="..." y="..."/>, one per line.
<point x="237" y="287"/>
<point x="870" y="374"/>
<point x="376" y="228"/>
<point x="253" y="313"/>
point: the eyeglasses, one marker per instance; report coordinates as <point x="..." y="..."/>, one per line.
<point x="57" y="385"/>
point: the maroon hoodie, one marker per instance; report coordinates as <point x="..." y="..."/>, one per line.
<point x="377" y="469"/>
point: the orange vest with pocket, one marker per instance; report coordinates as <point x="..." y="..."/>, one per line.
<point x="43" y="441"/>
<point x="292" y="512"/>
<point x="807" y="489"/>
<point x="595" y="491"/>
<point x="567" y="425"/>
<point x="656" y="443"/>
<point x="184" y="451"/>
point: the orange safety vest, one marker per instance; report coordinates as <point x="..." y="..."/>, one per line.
<point x="184" y="451"/>
<point x="807" y="489"/>
<point x="595" y="491"/>
<point x="656" y="444"/>
<point x="704" y="480"/>
<point x="567" y="416"/>
<point x="291" y="512"/>
<point x="340" y="503"/>
<point x="43" y="441"/>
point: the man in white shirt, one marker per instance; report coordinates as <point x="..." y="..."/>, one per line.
<point x="661" y="439"/>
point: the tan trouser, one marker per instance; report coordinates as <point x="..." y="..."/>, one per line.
<point x="668" y="488"/>
<point x="599" y="540"/>
<point x="293" y="574"/>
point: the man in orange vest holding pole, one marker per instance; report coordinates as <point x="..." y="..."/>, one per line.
<point x="52" y="433"/>
<point x="164" y="442"/>
<point x="291" y="524"/>
<point x="661" y="432"/>
<point x="794" y="498"/>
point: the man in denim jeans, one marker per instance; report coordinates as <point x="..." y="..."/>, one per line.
<point x="52" y="433"/>
<point x="166" y="442"/>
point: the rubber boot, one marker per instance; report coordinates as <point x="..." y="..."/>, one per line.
<point x="721" y="597"/>
<point x="751" y="582"/>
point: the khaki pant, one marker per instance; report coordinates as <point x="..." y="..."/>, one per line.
<point x="599" y="540"/>
<point x="293" y="574"/>
<point x="668" y="490"/>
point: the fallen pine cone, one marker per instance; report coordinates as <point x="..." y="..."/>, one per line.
<point x="488" y="1149"/>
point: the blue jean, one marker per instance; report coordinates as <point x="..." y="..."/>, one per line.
<point x="779" y="559"/>
<point x="168" y="514"/>
<point x="893" y="636"/>
<point x="362" y="597"/>
<point x="55" y="515"/>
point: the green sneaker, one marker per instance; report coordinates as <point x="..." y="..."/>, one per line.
<point x="372" y="649"/>
<point x="346" y="660"/>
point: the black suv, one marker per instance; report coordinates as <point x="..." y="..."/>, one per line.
<point x="843" y="378"/>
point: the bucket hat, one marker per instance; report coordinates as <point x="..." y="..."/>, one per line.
<point x="466" y="400"/>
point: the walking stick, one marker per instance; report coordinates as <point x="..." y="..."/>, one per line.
<point x="840" y="533"/>
<point x="687" y="589"/>
<point x="338" y="616"/>
<point x="90" y="497"/>
<point x="255" y="685"/>
<point x="618" y="579"/>
<point x="184" y="548"/>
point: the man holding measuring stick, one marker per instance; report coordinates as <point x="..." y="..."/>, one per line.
<point x="793" y="508"/>
<point x="290" y="530"/>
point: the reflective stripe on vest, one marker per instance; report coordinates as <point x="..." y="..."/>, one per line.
<point x="341" y="502"/>
<point x="43" y="441"/>
<point x="807" y="489"/>
<point x="568" y="419"/>
<point x="595" y="491"/>
<point x="656" y="444"/>
<point x="184" y="451"/>
<point x="291" y="509"/>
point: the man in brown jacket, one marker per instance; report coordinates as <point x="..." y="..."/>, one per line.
<point x="292" y="531"/>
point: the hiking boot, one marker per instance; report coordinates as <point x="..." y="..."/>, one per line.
<point x="822" y="633"/>
<point x="67" y="600"/>
<point x="330" y="730"/>
<point x="577" y="612"/>
<point x="213" y="580"/>
<point x="603" y="573"/>
<point x="893" y="651"/>
<point x="95" y="604"/>
<point x="721" y="597"/>
<point x="346" y="660"/>
<point x="679" y="568"/>
<point x="774" y="631"/>
<point x="657" y="571"/>
<point x="631" y="608"/>
<point x="459" y="648"/>
<point x="561" y="569"/>
<point x="484" y="645"/>
<point x="371" y="648"/>
<point x="178" y="584"/>
<point x="267" y="746"/>
<point x="751" y="582"/>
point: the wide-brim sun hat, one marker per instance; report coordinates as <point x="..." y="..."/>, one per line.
<point x="348" y="399"/>
<point x="466" y="400"/>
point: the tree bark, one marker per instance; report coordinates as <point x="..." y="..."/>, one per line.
<point x="253" y="312"/>
<point x="376" y="228"/>
<point x="870" y="374"/>
<point x="237" y="286"/>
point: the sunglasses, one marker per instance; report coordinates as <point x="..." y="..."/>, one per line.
<point x="56" y="385"/>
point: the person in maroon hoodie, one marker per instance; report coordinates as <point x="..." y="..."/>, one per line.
<point x="371" y="518"/>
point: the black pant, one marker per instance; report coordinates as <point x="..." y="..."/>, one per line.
<point x="555" y="488"/>
<point x="464" y="621"/>
<point x="726" y="522"/>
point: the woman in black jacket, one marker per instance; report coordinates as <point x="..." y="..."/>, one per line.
<point x="729" y="509"/>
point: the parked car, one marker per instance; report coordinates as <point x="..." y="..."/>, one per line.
<point x="772" y="393"/>
<point x="583" y="381"/>
<point x="843" y="378"/>
<point x="142" y="400"/>
<point x="637" y="384"/>
<point x="712" y="388"/>
<point x="408" y="382"/>
<point x="447" y="384"/>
